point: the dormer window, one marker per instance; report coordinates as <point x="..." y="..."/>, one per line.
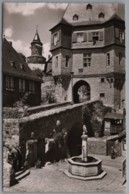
<point x="12" y="63"/>
<point x="89" y="6"/>
<point x="22" y="66"/>
<point x="75" y="17"/>
<point x="101" y="15"/>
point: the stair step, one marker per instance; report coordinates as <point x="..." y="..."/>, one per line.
<point x="19" y="172"/>
<point x="22" y="175"/>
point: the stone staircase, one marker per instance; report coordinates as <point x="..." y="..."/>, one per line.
<point x="10" y="177"/>
<point x="21" y="174"/>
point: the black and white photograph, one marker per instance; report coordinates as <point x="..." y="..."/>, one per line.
<point x="63" y="97"/>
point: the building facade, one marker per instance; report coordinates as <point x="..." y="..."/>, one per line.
<point x="88" y="53"/>
<point x="36" y="60"/>
<point x="18" y="79"/>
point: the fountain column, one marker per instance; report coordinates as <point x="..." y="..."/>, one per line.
<point x="84" y="144"/>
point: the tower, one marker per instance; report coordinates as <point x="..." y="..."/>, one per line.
<point x="36" y="60"/>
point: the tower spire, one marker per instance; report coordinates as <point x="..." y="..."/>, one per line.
<point x="37" y="28"/>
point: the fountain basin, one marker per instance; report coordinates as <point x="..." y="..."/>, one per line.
<point x="92" y="169"/>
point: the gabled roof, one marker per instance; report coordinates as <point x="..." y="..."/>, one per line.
<point x="63" y="22"/>
<point x="113" y="115"/>
<point x="91" y="15"/>
<point x="14" y="63"/>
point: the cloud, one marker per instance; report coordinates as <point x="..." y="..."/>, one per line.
<point x="46" y="48"/>
<point x="30" y="8"/>
<point x="8" y="32"/>
<point x="20" y="47"/>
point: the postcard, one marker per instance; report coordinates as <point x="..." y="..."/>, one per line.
<point x="63" y="97"/>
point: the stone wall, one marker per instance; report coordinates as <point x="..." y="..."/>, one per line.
<point x="97" y="146"/>
<point x="9" y="113"/>
<point x="10" y="131"/>
<point x="47" y="107"/>
<point x="43" y="124"/>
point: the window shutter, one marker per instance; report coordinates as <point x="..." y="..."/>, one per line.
<point x="74" y="37"/>
<point x="117" y="32"/>
<point x="101" y="36"/>
<point x="85" y="37"/>
<point x="52" y="39"/>
<point x="58" y="35"/>
<point x="90" y="37"/>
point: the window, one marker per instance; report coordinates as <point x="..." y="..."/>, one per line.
<point x="79" y="37"/>
<point x="108" y="58"/>
<point x="67" y="61"/>
<point x="101" y="15"/>
<point x="95" y="36"/>
<point x="21" y="85"/>
<point x="89" y="6"/>
<point x="75" y="17"/>
<point x="9" y="83"/>
<point x="102" y="95"/>
<point x="102" y="80"/>
<point x="120" y="58"/>
<point x="56" y="61"/>
<point x="119" y="33"/>
<point x="55" y="39"/>
<point x="86" y="59"/>
<point x="80" y="70"/>
<point x="31" y="86"/>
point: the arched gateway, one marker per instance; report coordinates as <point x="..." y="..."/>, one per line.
<point x="81" y="91"/>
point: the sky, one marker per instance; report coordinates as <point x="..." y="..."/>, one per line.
<point x="20" y="21"/>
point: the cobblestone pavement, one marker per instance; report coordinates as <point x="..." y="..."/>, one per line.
<point x="52" y="179"/>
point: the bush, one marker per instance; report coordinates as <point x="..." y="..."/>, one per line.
<point x="93" y="115"/>
<point x="48" y="98"/>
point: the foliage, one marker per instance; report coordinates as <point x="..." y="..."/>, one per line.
<point x="23" y="101"/>
<point x="93" y="115"/>
<point x="38" y="72"/>
<point x="49" y="98"/>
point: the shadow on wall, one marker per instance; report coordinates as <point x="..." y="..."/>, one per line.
<point x="74" y="139"/>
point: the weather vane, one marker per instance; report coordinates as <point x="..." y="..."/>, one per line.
<point x="37" y="28"/>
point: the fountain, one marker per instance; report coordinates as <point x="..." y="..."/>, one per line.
<point x="85" y="167"/>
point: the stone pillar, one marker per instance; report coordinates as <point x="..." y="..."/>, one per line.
<point x="84" y="147"/>
<point x="84" y="144"/>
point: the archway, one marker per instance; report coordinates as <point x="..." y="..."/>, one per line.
<point x="74" y="139"/>
<point x="81" y="91"/>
